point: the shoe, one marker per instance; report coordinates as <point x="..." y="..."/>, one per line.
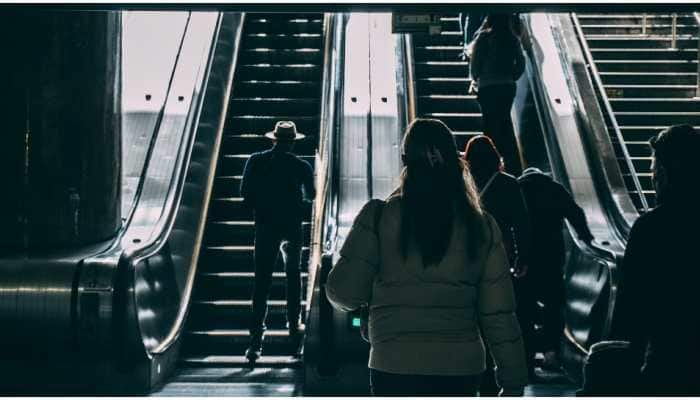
<point x="295" y="341"/>
<point x="254" y="351"/>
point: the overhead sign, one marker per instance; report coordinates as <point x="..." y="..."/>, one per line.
<point x="416" y="23"/>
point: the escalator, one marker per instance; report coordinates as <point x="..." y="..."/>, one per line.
<point x="278" y="77"/>
<point x="544" y="115"/>
<point x="442" y="81"/>
<point x="647" y="65"/>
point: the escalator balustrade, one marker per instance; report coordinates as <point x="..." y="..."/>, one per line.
<point x="278" y="77"/>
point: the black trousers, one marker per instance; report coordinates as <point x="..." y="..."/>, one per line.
<point x="388" y="384"/>
<point x="271" y="240"/>
<point x="545" y="284"/>
<point x="496" y="102"/>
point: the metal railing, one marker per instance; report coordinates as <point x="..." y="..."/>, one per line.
<point x="697" y="85"/>
<point x="674" y="28"/>
<point x="595" y="75"/>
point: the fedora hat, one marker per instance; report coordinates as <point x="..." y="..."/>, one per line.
<point x="285" y="130"/>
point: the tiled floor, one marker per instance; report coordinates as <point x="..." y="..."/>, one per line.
<point x="242" y="382"/>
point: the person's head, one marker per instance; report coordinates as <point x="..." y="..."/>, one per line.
<point x="284" y="135"/>
<point x="283" y="145"/>
<point x="482" y="157"/>
<point x="499" y="23"/>
<point x="434" y="191"/>
<point x="675" y="164"/>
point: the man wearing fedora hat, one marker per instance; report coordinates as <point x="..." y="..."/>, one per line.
<point x="272" y="186"/>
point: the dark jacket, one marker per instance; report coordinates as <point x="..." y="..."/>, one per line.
<point x="496" y="59"/>
<point x="504" y="201"/>
<point x="549" y="204"/>
<point x="272" y="186"/>
<point x="657" y="303"/>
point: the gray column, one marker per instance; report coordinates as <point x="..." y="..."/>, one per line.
<point x="60" y="129"/>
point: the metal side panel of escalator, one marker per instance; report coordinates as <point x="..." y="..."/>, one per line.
<point x="117" y="328"/>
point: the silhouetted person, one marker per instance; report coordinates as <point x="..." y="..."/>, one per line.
<point x="657" y="303"/>
<point x="501" y="197"/>
<point x="497" y="62"/>
<point x="431" y="266"/>
<point x="549" y="204"/>
<point x="272" y="186"/>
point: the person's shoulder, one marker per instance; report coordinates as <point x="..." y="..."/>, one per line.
<point x="259" y="154"/>
<point x="651" y="219"/>
<point x="366" y="216"/>
<point x="300" y="162"/>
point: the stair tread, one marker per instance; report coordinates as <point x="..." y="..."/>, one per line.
<point x="237" y="303"/>
<point x="239" y="360"/>
<point x="240" y="332"/>
<point x="275" y="274"/>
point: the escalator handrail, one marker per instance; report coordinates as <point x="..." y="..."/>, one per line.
<point x="334" y="65"/>
<point x="319" y="338"/>
<point x="411" y="99"/>
<point x="608" y="109"/>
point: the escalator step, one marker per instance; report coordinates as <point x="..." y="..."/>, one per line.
<point x="232" y="207"/>
<point x="444" y="39"/>
<point x="459" y="121"/>
<point x="444" y="86"/>
<point x="240" y="284"/>
<point x="645" y="90"/>
<point x="234" y="342"/>
<point x="280" y="72"/>
<point x="234" y="314"/>
<point x="281" y="56"/>
<point x="240" y="361"/>
<point x="663" y="28"/>
<point x="648" y="78"/>
<point x="437" y="53"/>
<point x="448" y="103"/>
<point x="661" y="118"/>
<point x="282" y="40"/>
<point x="257" y="24"/>
<point x="644" y="54"/>
<point x="656" y="105"/>
<point x="234" y="259"/>
<point x="644" y="66"/>
<point x="278" y="105"/>
<point x="272" y="88"/>
<point x="632" y="19"/>
<point x="655" y="42"/>
<point x="238" y="233"/>
<point x="442" y="69"/>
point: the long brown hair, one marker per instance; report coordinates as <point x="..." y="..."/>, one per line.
<point x="483" y="159"/>
<point x="435" y="191"/>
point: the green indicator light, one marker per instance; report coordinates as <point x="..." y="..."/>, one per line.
<point x="356" y="322"/>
